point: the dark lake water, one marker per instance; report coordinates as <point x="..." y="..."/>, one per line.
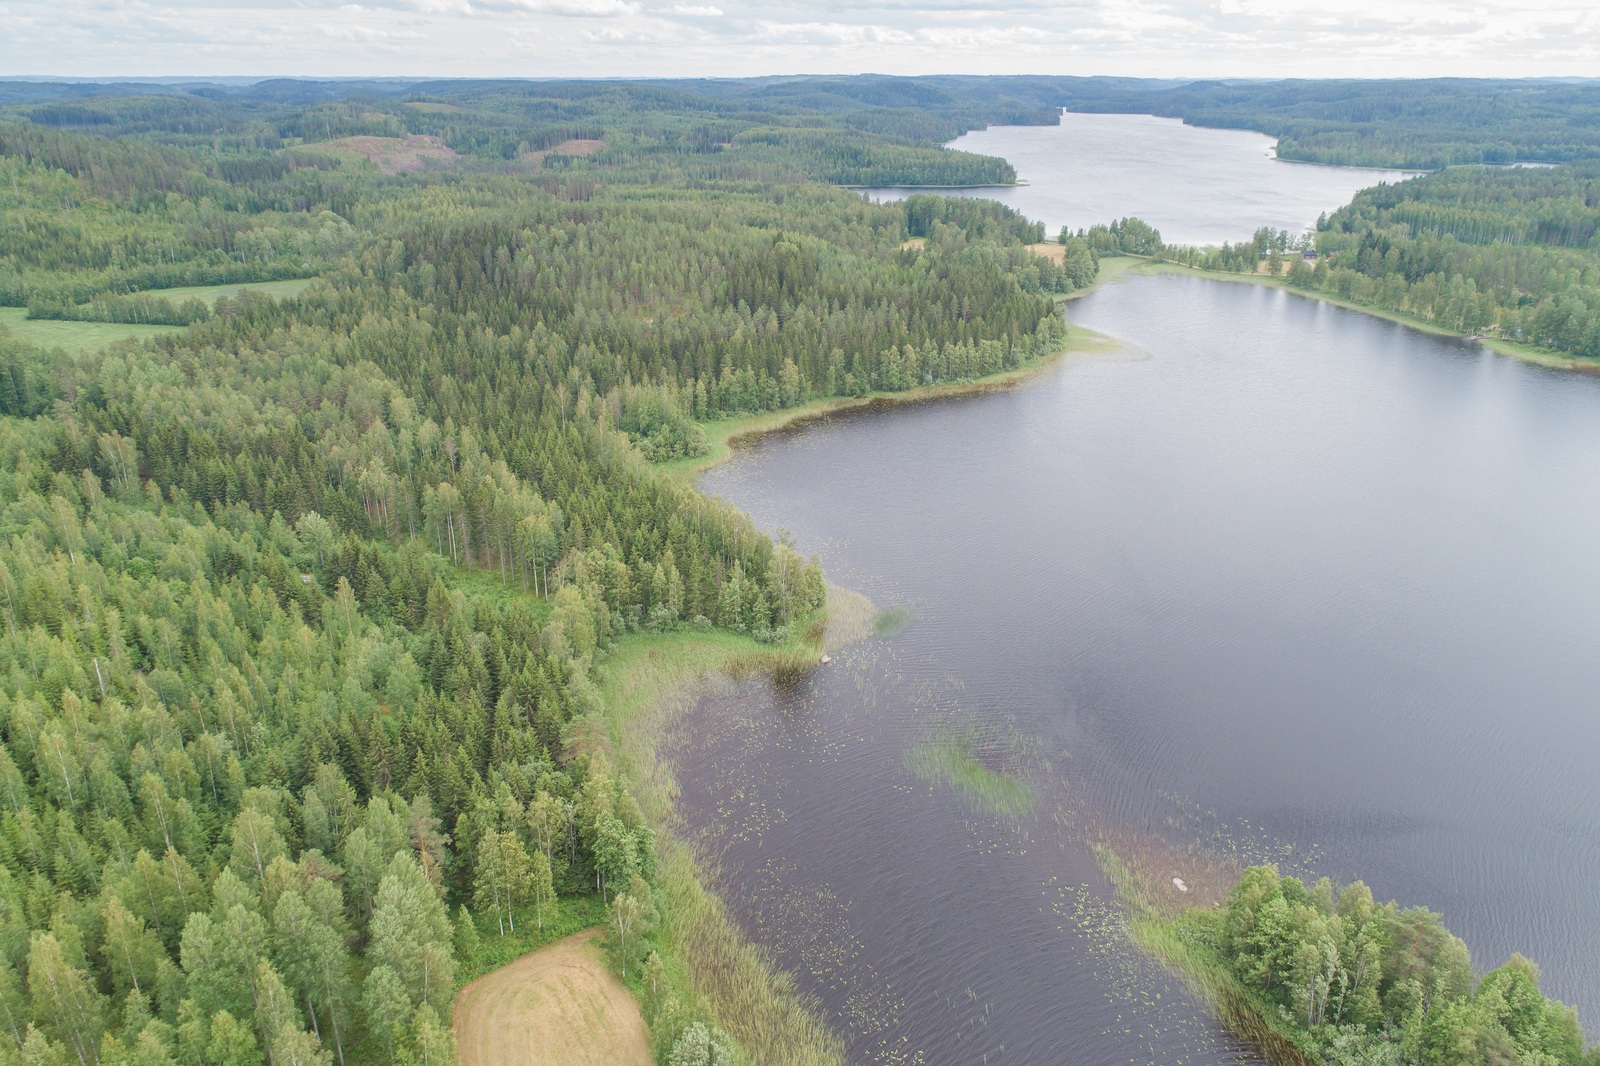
<point x="1278" y="577"/>
<point x="1197" y="186"/>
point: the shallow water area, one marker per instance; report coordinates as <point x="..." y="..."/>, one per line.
<point x="1197" y="186"/>
<point x="930" y="928"/>
<point x="1278" y="578"/>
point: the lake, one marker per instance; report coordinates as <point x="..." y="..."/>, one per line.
<point x="1197" y="186"/>
<point x="1276" y="577"/>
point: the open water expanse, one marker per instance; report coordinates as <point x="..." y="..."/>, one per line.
<point x="1272" y="580"/>
<point x="1277" y="577"/>
<point x="1197" y="186"/>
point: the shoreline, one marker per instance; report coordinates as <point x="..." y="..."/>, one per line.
<point x="1155" y="926"/>
<point x="1535" y="355"/>
<point x="1018" y="184"/>
<point x="647" y="683"/>
<point x="726" y="435"/>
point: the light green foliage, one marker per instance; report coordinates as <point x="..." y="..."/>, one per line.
<point x="699" y="1045"/>
<point x="1378" y="985"/>
<point x="411" y="935"/>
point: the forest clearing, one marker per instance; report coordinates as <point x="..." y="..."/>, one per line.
<point x="560" y="1004"/>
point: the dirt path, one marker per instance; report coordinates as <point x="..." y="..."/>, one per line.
<point x="558" y="1005"/>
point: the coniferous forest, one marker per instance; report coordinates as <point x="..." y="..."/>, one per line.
<point x="302" y="596"/>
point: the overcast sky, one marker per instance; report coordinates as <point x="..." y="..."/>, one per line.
<point x="633" y="38"/>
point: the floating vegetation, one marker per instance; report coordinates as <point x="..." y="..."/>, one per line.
<point x="892" y="622"/>
<point x="960" y="759"/>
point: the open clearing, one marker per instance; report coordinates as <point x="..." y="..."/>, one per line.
<point x="1050" y="250"/>
<point x="558" y="1006"/>
<point x="89" y="336"/>
<point x="212" y="293"/>
<point x="396" y="155"/>
<point x="73" y="336"/>
<point x="572" y="147"/>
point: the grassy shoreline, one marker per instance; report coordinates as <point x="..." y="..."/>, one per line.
<point x="647" y="683"/>
<point x="1181" y="938"/>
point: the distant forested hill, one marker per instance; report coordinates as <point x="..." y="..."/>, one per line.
<point x="868" y="129"/>
<point x="1421" y="124"/>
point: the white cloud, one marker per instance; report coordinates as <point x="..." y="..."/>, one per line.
<point x="557" y="38"/>
<point x="590" y="9"/>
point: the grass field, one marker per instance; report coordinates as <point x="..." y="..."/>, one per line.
<point x="212" y="293"/>
<point x="74" y="336"/>
<point x="89" y="336"/>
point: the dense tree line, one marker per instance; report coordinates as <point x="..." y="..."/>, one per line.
<point x="1419" y="123"/>
<point x="1364" y="984"/>
<point x="89" y="217"/>
<point x="1505" y="253"/>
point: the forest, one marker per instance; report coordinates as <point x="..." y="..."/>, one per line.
<point x="303" y="602"/>
<point x="1506" y="253"/>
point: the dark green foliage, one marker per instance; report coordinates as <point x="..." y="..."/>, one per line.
<point x="1126" y="236"/>
<point x="142" y="308"/>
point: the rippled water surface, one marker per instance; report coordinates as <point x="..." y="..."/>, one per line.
<point x="1197" y="186"/>
<point x="1277" y="577"/>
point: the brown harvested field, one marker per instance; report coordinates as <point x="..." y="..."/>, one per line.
<point x="573" y="147"/>
<point x="918" y="243"/>
<point x="397" y="155"/>
<point x="559" y="1006"/>
<point x="1050" y="250"/>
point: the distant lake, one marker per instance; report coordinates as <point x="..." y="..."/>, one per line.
<point x="1196" y="185"/>
<point x="1278" y="578"/>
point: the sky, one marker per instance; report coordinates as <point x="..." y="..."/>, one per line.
<point x="666" y="38"/>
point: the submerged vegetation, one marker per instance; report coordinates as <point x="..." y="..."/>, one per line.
<point x="954" y="760"/>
